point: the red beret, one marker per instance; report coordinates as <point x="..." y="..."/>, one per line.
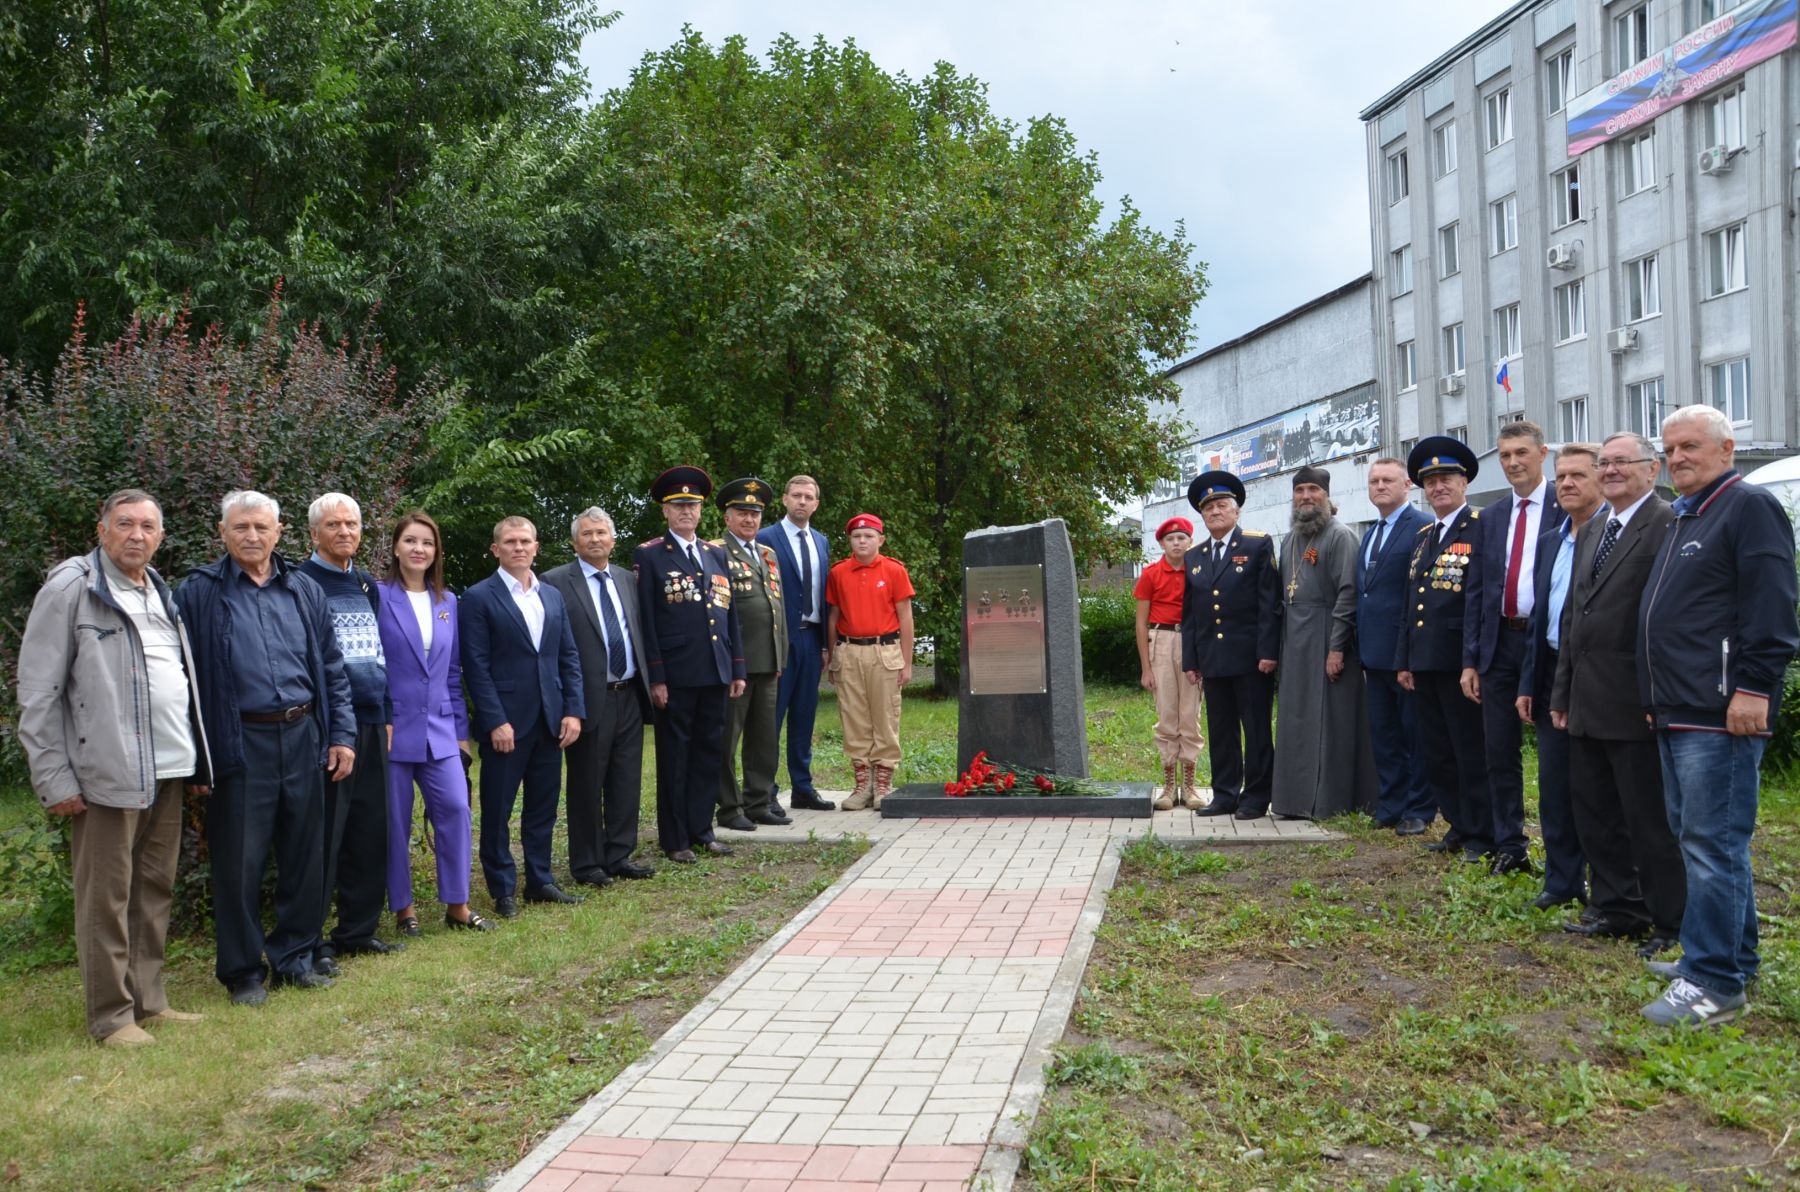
<point x="865" y="521"/>
<point x="1175" y="523"/>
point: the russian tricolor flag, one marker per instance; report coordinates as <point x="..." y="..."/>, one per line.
<point x="1502" y="378"/>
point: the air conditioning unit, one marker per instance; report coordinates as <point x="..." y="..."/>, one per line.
<point x="1560" y="256"/>
<point x="1621" y="339"/>
<point x="1716" y="159"/>
<point x="1451" y="384"/>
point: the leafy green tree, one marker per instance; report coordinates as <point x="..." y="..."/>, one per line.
<point x="817" y="266"/>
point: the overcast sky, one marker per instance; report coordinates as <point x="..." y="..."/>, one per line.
<point x="1238" y="118"/>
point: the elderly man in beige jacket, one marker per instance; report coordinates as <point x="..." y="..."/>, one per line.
<point x="110" y="722"/>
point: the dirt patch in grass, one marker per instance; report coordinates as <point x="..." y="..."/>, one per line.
<point x="1369" y="1015"/>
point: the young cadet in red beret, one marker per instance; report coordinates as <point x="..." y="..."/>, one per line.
<point x="1159" y="595"/>
<point x="869" y="637"/>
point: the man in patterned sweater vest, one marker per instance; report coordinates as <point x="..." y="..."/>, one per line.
<point x="356" y="808"/>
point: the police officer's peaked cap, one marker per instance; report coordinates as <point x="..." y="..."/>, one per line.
<point x="681" y="484"/>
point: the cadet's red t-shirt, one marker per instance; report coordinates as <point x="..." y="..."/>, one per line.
<point x="865" y="595"/>
<point x="1162" y="585"/>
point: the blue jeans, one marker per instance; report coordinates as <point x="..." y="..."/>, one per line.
<point x="1710" y="785"/>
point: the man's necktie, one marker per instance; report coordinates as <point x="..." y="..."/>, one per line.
<point x="1376" y="539"/>
<point x="1510" y="606"/>
<point x="615" y="633"/>
<point x="693" y="554"/>
<point x="803" y="548"/>
<point x="1608" y="540"/>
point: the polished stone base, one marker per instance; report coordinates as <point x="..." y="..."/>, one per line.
<point x="1130" y="800"/>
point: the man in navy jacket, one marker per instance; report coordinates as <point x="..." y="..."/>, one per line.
<point x="1716" y="632"/>
<point x="1405" y="804"/>
<point x="523" y="674"/>
<point x="804" y="556"/>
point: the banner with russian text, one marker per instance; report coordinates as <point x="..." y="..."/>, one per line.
<point x="1711" y="54"/>
<point x="1335" y="427"/>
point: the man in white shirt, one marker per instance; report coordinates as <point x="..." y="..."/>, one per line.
<point x="804" y="556"/>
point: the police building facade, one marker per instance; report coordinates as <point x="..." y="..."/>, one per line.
<point x="1585" y="215"/>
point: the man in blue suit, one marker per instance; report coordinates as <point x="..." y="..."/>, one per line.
<point x="523" y="674"/>
<point x="694" y="649"/>
<point x="1406" y="804"/>
<point x="805" y="559"/>
<point x="1578" y="493"/>
<point x="1501" y="595"/>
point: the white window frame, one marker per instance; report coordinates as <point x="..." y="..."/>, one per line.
<point x="1704" y="12"/>
<point x="1443" y="148"/>
<point x="1724" y="264"/>
<point x="1400" y="263"/>
<point x="1406" y="366"/>
<point x="1559" y="80"/>
<point x="1459" y="433"/>
<point x="1455" y="353"/>
<point x="1643" y="289"/>
<point x="1631" y="37"/>
<point x="1733" y="377"/>
<point x="1565" y="196"/>
<point x="1509" y="344"/>
<point x="1725" y="118"/>
<point x="1570" y="306"/>
<point x="1572" y="419"/>
<point x="1643" y="406"/>
<point x="1399" y="183"/>
<point x="1502" y="421"/>
<point x="1449" y="252"/>
<point x="1503" y="225"/>
<point x="1497" y="108"/>
<point x="1637" y="162"/>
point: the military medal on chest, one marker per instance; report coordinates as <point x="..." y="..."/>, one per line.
<point x="1450" y="566"/>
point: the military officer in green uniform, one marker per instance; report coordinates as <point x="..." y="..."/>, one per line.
<point x="750" y="719"/>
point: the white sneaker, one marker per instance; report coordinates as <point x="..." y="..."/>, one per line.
<point x="1685" y="1002"/>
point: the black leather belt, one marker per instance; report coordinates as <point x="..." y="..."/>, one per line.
<point x="1519" y="623"/>
<point x="1161" y="625"/>
<point x="886" y="639"/>
<point x="621" y="685"/>
<point x="284" y="716"/>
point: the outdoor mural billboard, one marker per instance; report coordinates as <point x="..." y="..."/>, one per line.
<point x="1348" y="423"/>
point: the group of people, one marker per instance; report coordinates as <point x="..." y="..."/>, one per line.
<point x="306" y="701"/>
<point x="1645" y="641"/>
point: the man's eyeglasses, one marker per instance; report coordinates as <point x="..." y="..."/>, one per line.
<point x="1610" y="462"/>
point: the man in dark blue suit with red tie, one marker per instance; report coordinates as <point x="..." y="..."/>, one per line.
<point x="1405" y="804"/>
<point x="523" y="674"/>
<point x="804" y="557"/>
<point x="695" y="655"/>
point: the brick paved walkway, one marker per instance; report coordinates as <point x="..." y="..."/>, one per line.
<point x="892" y="1036"/>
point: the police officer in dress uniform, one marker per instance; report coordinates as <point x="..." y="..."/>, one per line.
<point x="750" y="721"/>
<point x="696" y="661"/>
<point x="1230" y="641"/>
<point x="1428" y="655"/>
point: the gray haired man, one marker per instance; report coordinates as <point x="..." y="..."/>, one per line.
<point x="109" y="718"/>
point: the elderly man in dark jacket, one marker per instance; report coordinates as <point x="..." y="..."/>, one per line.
<point x="277" y="708"/>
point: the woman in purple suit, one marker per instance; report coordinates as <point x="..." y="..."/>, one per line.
<point x="430" y="732"/>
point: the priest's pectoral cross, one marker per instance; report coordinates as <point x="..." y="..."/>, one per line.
<point x="1293" y="586"/>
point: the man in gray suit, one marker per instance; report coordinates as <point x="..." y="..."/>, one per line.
<point x="606" y="763"/>
<point x="1615" y="773"/>
<point x="750" y="719"/>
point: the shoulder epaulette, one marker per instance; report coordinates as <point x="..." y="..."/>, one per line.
<point x="657" y="541"/>
<point x="715" y="542"/>
<point x="1253" y="533"/>
<point x="1430" y="525"/>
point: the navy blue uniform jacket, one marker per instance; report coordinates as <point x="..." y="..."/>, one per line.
<point x="691" y="634"/>
<point x="1381" y="589"/>
<point x="1231" y="613"/>
<point x="1431" y="621"/>
<point x="507" y="680"/>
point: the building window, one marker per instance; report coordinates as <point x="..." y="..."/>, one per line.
<point x="1406" y="366"/>
<point x="1571" y="417"/>
<point x="1728" y="388"/>
<point x="1565" y="196"/>
<point x="1724" y="255"/>
<point x="1643" y="406"/>
<point x="1503" y="221"/>
<point x="1725" y="119"/>
<point x="1643" y="292"/>
<point x="1396" y="177"/>
<point x="1701" y="12"/>
<point x="1637" y="162"/>
<point x="1559" y="81"/>
<point x="1571" y="312"/>
<point x="1401" y="272"/>
<point x="1499" y="118"/>
<point x="1511" y="416"/>
<point x="1506" y="332"/>
<point x="1443" y="148"/>
<point x="1451" y="262"/>
<point x="1459" y="433"/>
<point x="1631" y="37"/>
<point x="1453" y="349"/>
<point x="1406" y="446"/>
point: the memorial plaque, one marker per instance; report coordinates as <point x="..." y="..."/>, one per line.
<point x="1003" y="624"/>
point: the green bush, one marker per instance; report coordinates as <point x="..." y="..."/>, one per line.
<point x="1109" y="637"/>
<point x="1784" y="745"/>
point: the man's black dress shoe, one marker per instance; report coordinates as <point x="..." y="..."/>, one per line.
<point x="1216" y="808"/>
<point x="1473" y="856"/>
<point x="310" y="979"/>
<point x="369" y="947"/>
<point x="737" y="823"/>
<point x="1450" y="843"/>
<point x="1602" y="927"/>
<point x="807" y="800"/>
<point x="1657" y="944"/>
<point x="1410" y="827"/>
<point x="1249" y="813"/>
<point x="552" y="893"/>
<point x="1548" y="901"/>
<point x="1507" y="863"/>
<point x="325" y="966"/>
<point x="249" y="993"/>
<point x="506" y="906"/>
<point x="769" y="819"/>
<point x="631" y="869"/>
<point x="682" y="856"/>
<point x="599" y="881"/>
<point x="717" y="849"/>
